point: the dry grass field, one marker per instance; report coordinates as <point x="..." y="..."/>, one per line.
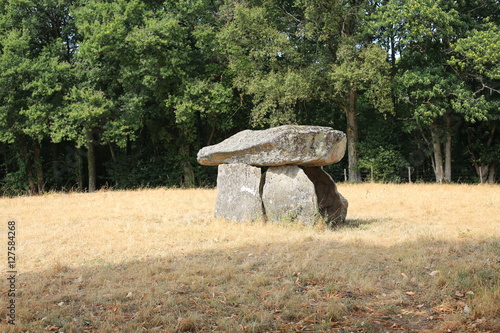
<point x="413" y="258"/>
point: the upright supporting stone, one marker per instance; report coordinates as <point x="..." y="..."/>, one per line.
<point x="288" y="194"/>
<point x="332" y="205"/>
<point x="238" y="193"/>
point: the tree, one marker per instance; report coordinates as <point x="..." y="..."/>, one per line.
<point x="283" y="54"/>
<point x="99" y="109"/>
<point x="365" y="70"/>
<point x="137" y="87"/>
<point x="33" y="77"/>
<point x="157" y="68"/>
<point x="80" y="123"/>
<point x="477" y="61"/>
<point x="203" y="101"/>
<point x="421" y="33"/>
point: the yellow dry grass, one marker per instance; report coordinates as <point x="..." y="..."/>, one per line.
<point x="413" y="258"/>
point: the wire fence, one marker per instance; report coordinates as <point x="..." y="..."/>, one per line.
<point x="405" y="175"/>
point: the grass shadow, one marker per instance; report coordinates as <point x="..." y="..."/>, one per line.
<point x="356" y="224"/>
<point x="313" y="285"/>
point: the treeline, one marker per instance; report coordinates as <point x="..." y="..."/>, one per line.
<point x="124" y="93"/>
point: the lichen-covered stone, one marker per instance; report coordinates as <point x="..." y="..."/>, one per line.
<point x="289" y="195"/>
<point x="238" y="193"/>
<point x="289" y="144"/>
<point x="332" y="205"/>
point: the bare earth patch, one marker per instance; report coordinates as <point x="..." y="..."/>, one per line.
<point x="413" y="258"/>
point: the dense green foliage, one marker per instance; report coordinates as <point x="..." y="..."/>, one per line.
<point x="124" y="93"/>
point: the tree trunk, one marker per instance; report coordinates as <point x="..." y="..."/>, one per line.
<point x="5" y="157"/>
<point x="447" y="151"/>
<point x="29" y="168"/>
<point x="352" y="137"/>
<point x="492" y="173"/>
<point x="79" y="168"/>
<point x="485" y="172"/>
<point x="438" y="155"/>
<point x="91" y="162"/>
<point x="129" y="146"/>
<point x="188" y="178"/>
<point x="212" y="132"/>
<point x="493" y="165"/>
<point x="188" y="175"/>
<point x="112" y="151"/>
<point x="38" y="164"/>
<point x="482" y="171"/>
<point x="393" y="54"/>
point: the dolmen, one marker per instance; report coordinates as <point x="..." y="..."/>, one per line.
<point x="276" y="175"/>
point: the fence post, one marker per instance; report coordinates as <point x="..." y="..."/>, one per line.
<point x="409" y="175"/>
<point x="345" y="175"/>
<point x="371" y="173"/>
<point x="481" y="174"/>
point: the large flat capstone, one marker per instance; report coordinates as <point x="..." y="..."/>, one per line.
<point x="288" y="144"/>
<point x="238" y="193"/>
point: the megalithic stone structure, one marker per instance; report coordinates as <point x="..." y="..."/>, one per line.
<point x="294" y="187"/>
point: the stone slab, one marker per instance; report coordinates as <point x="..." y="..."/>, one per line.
<point x="288" y="144"/>
<point x="238" y="193"/>
<point x="289" y="195"/>
<point x="332" y="205"/>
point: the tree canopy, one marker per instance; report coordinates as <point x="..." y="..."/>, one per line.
<point x="124" y="93"/>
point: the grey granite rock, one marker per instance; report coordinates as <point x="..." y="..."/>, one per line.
<point x="332" y="205"/>
<point x="288" y="144"/>
<point x="289" y="195"/>
<point x="238" y="193"/>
